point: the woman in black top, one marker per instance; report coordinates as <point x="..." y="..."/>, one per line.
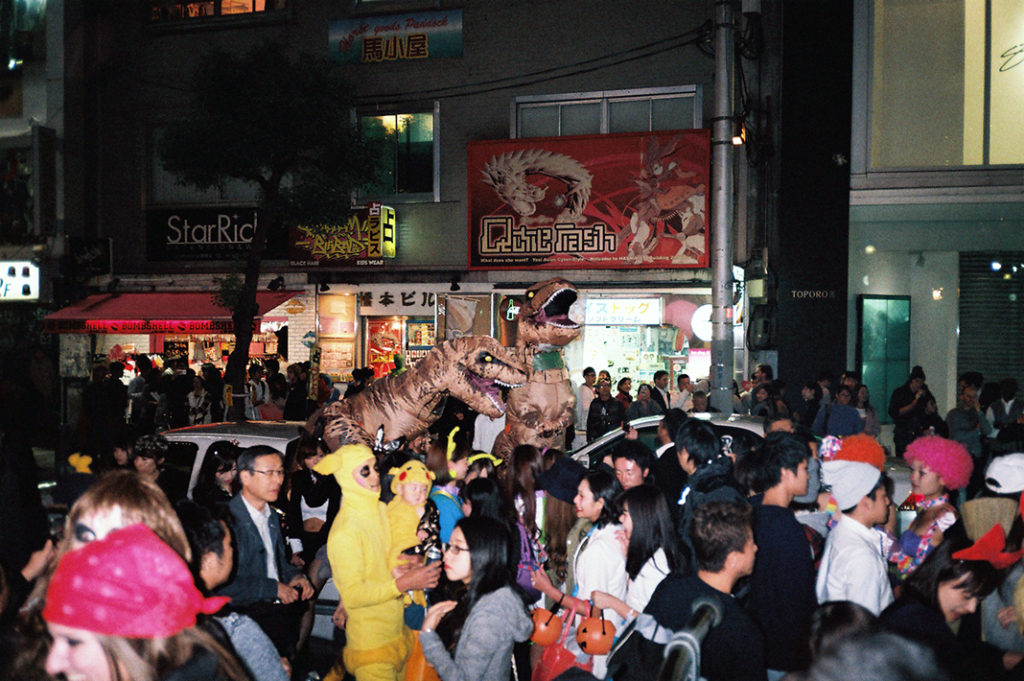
<point x="944" y="590"/>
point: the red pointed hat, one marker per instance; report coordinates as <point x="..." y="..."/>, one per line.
<point x="990" y="548"/>
<point x="129" y="584"/>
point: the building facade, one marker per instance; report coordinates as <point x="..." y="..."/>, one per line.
<point x="936" y="207"/>
<point x="435" y="81"/>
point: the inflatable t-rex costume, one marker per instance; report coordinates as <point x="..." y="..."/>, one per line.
<point x="539" y="412"/>
<point x="473" y="369"/>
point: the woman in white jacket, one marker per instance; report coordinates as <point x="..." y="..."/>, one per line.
<point x="651" y="547"/>
<point x="599" y="562"/>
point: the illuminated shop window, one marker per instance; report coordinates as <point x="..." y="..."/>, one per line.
<point x="947" y="83"/>
<point x="408" y="146"/>
<point x="168" y="10"/>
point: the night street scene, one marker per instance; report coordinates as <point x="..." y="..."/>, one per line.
<point x="511" y="340"/>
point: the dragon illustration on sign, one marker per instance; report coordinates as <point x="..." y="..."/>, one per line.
<point x="507" y="173"/>
<point x="539" y="411"/>
<point x="474" y="369"/>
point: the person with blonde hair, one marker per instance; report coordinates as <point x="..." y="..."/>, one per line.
<point x="118" y="499"/>
<point x="124" y="608"/>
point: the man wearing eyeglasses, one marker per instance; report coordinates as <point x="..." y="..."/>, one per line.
<point x="266" y="586"/>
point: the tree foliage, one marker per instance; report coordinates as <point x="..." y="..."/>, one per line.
<point x="284" y="123"/>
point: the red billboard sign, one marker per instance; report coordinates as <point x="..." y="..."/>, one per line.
<point x="635" y="200"/>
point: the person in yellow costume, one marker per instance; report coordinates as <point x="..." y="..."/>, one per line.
<point x="414" y="521"/>
<point x="378" y="642"/>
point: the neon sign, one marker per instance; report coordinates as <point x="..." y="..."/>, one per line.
<point x="189" y="326"/>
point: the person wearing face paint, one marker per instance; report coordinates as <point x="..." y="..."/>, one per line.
<point x="124" y="608"/>
<point x="117" y="499"/>
<point x="948" y="586"/>
<point x="471" y="639"/>
<point x="377" y="641"/>
<point x="938" y="466"/>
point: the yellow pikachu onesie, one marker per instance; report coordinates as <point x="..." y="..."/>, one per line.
<point x="378" y="642"/>
<point x="404" y="519"/>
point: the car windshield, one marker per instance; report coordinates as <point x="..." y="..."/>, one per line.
<point x="735" y="440"/>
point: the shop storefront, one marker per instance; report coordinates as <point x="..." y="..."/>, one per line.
<point x="371" y="324"/>
<point x="167" y="325"/>
<point x="633" y="333"/>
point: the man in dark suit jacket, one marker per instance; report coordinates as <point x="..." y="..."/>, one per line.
<point x="660" y="392"/>
<point x="265" y="586"/>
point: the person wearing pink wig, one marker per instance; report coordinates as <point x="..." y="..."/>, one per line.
<point x="938" y="466"/>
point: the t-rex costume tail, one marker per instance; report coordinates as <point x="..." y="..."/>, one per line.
<point x="473" y="369"/>
<point x="540" y="411"/>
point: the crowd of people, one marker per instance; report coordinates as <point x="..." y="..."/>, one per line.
<point x="160" y="396"/>
<point x="441" y="551"/>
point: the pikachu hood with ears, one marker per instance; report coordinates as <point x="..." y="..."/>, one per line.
<point x="412" y="470"/>
<point x="377" y="641"/>
<point x="343" y="464"/>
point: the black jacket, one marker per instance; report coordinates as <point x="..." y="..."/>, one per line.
<point x="603" y="417"/>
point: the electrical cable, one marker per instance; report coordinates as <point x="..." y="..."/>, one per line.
<point x="689" y="38"/>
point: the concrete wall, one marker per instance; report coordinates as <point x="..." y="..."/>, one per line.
<point x="933" y="323"/>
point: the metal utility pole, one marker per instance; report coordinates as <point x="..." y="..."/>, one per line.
<point x="722" y="210"/>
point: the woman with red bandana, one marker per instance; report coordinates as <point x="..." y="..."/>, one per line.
<point x="123" y="608"/>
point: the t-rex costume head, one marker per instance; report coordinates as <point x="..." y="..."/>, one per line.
<point x="474" y="369"/>
<point x="539" y="411"/>
<point x="543" y="318"/>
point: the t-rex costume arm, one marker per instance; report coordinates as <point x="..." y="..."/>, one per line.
<point x="473" y="369"/>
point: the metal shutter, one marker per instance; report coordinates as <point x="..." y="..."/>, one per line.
<point x="992" y="315"/>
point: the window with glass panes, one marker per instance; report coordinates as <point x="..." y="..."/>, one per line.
<point x="407" y="144"/>
<point x="592" y="113"/>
